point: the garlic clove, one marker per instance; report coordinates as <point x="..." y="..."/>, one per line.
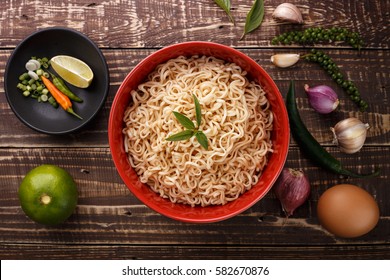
<point x="285" y="60"/>
<point x="350" y="135"/>
<point x="288" y="12"/>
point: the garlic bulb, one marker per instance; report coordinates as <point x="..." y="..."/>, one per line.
<point x="350" y="135"/>
<point x="285" y="60"/>
<point x="288" y="12"/>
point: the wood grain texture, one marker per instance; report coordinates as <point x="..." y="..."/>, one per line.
<point x="151" y="23"/>
<point x="369" y="71"/>
<point x="134" y="252"/>
<point x="108" y="213"/>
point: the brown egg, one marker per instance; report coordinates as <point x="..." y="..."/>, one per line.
<point x="347" y="211"/>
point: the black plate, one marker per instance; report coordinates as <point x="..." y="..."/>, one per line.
<point x="48" y="43"/>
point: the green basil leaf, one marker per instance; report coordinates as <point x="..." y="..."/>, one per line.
<point x="254" y="17"/>
<point x="186" y="122"/>
<point x="202" y="139"/>
<point x="182" y="135"/>
<point x="198" y="111"/>
<point x="225" y="5"/>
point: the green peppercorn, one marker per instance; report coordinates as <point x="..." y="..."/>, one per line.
<point x="363" y="105"/>
<point x="357" y="99"/>
<point x="320" y="34"/>
<point x="333" y="70"/>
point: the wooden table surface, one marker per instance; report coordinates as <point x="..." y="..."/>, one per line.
<point x="109" y="222"/>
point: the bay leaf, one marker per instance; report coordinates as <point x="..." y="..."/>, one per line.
<point x="225" y="5"/>
<point x="254" y="18"/>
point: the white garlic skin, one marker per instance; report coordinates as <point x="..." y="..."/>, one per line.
<point x="285" y="60"/>
<point x="288" y="12"/>
<point x="350" y="135"/>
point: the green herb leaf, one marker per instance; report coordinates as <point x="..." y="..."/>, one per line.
<point x="198" y="111"/>
<point x="202" y="139"/>
<point x="186" y="122"/>
<point x="254" y="17"/>
<point x="182" y="135"/>
<point x="225" y="5"/>
<point x="190" y="131"/>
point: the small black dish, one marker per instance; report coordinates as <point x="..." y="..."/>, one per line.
<point x="48" y="43"/>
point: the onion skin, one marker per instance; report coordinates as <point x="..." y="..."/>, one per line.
<point x="292" y="189"/>
<point x="322" y="98"/>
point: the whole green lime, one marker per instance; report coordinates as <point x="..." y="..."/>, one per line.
<point x="48" y="194"/>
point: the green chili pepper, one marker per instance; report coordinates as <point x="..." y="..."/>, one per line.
<point x="309" y="144"/>
<point x="60" y="84"/>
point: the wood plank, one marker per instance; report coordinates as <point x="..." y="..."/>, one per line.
<point x="368" y="71"/>
<point x="155" y="23"/>
<point x="178" y="252"/>
<point x="107" y="213"/>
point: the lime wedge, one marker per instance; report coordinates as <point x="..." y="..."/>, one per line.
<point x="72" y="70"/>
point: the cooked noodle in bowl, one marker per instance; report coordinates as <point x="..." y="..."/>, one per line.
<point x="243" y="117"/>
<point x="236" y="118"/>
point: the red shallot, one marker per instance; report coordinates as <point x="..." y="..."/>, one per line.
<point x="292" y="189"/>
<point x="322" y="98"/>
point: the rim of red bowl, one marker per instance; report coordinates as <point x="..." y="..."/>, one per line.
<point x="178" y="211"/>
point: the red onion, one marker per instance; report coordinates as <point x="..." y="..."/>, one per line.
<point x="322" y="98"/>
<point x="292" y="189"/>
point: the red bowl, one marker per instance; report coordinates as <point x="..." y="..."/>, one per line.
<point x="280" y="135"/>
